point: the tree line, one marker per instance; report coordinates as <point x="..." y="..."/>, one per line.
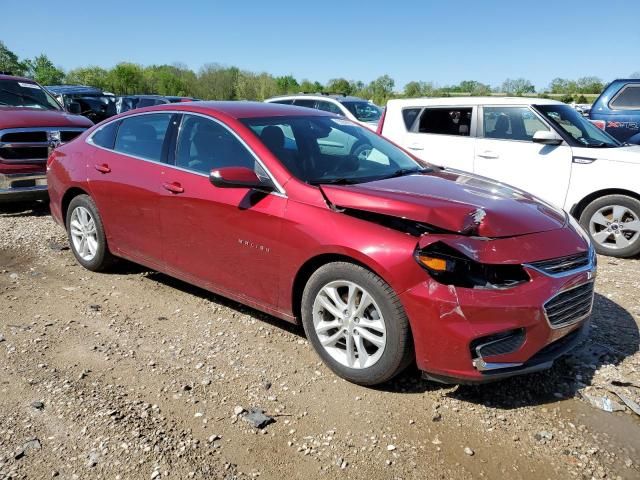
<point x="219" y="82"/>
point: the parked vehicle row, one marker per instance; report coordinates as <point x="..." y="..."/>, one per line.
<point x="541" y="146"/>
<point x="384" y="258"/>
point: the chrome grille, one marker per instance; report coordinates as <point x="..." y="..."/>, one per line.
<point x="570" y="306"/>
<point x="25" y="145"/>
<point x="560" y="265"/>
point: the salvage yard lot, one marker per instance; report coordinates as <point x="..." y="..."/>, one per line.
<point x="139" y="376"/>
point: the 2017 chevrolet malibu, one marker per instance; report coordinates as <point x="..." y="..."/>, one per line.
<point x="384" y="259"/>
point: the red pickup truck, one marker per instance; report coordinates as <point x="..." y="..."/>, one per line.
<point x="32" y="123"/>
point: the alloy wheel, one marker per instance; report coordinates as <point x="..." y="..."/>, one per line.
<point x="84" y="235"/>
<point x="349" y="324"/>
<point x="614" y="227"/>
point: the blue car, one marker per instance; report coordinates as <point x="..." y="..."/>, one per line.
<point x="617" y="110"/>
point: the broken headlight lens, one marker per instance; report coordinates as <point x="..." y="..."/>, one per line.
<point x="450" y="267"/>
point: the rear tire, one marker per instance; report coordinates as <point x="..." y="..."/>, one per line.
<point x="613" y="223"/>
<point x="356" y="323"/>
<point x="86" y="234"/>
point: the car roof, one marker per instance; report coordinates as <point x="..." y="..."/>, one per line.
<point x="320" y="96"/>
<point x="238" y="109"/>
<point x="465" y="101"/>
<point x="20" y="79"/>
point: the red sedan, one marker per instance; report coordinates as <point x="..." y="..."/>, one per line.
<point x="302" y="214"/>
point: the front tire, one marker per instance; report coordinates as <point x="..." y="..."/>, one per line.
<point x="86" y="234"/>
<point x="356" y="324"/>
<point x="613" y="223"/>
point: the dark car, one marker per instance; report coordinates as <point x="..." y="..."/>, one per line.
<point x="91" y="102"/>
<point x="617" y="110"/>
<point x="384" y="259"/>
<point x="131" y="102"/>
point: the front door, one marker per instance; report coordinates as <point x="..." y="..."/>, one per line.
<point x="506" y="152"/>
<point x="223" y="238"/>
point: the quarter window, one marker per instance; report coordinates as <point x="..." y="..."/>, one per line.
<point x="511" y="123"/>
<point x="409" y="116"/>
<point x="204" y="145"/>
<point x="446" y="121"/>
<point x="143" y="135"/>
<point x="106" y="136"/>
<point x="628" y="98"/>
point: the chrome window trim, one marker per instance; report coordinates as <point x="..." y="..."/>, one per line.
<point x="280" y="190"/>
<point x="575" y="320"/>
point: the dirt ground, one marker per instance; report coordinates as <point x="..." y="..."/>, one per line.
<point x="134" y="375"/>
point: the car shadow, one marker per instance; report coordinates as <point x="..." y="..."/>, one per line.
<point x="614" y="335"/>
<point x="24" y="209"/>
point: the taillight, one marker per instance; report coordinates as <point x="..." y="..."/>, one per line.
<point x="601" y="124"/>
<point x="381" y="122"/>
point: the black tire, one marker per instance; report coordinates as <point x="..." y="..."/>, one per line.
<point x="609" y="248"/>
<point x="398" y="350"/>
<point x="102" y="259"/>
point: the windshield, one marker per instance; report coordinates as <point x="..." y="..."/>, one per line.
<point x="574" y="124"/>
<point x="364" y="111"/>
<point x="318" y="149"/>
<point x="14" y="93"/>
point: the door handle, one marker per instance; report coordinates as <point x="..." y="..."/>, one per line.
<point x="488" y="154"/>
<point x="416" y="146"/>
<point x="102" y="168"/>
<point x="173" y="187"/>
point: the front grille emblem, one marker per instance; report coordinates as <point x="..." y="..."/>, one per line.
<point x="54" y="139"/>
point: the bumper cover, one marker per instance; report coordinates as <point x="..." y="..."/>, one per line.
<point x="15" y="187"/>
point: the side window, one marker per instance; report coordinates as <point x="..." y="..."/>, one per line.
<point x="329" y="107"/>
<point x="143" y="135"/>
<point x="283" y="102"/>
<point x="204" y="145"/>
<point x="627" y="99"/>
<point x="409" y="116"/>
<point x="446" y="121"/>
<point x="106" y="136"/>
<point x="511" y="123"/>
<point x="300" y="102"/>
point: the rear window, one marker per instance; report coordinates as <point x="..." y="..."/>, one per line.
<point x="446" y="121"/>
<point x="143" y="135"/>
<point x="627" y="99"/>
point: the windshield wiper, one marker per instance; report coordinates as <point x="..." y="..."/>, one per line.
<point x="407" y="171"/>
<point x="28" y="97"/>
<point x="332" y="181"/>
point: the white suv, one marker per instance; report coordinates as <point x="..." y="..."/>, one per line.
<point x="541" y="146"/>
<point x="355" y="109"/>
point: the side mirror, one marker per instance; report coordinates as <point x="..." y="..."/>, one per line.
<point x="546" y="137"/>
<point x="74" y="107"/>
<point x="238" y="177"/>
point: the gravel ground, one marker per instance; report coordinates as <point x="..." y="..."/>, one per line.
<point x="132" y="374"/>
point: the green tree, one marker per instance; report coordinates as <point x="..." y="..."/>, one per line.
<point x="518" y="86"/>
<point x="216" y="82"/>
<point x="92" y="76"/>
<point x="339" y="85"/>
<point x="419" y="89"/>
<point x="9" y="61"/>
<point x="287" y="84"/>
<point x="43" y="71"/>
<point x="589" y="85"/>
<point x="126" y="79"/>
<point x="382" y="89"/>
<point x="311" y="87"/>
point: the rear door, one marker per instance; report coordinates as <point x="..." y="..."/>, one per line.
<point x="223" y="238"/>
<point x="443" y="135"/>
<point x="126" y="183"/>
<point x="506" y="152"/>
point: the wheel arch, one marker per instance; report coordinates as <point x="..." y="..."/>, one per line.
<point x="69" y="195"/>
<point x="579" y="207"/>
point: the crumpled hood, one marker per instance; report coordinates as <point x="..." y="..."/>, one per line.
<point x="453" y="201"/>
<point x="32" y="117"/>
<point x="629" y="154"/>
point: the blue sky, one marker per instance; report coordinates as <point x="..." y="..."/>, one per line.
<point x="443" y="42"/>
